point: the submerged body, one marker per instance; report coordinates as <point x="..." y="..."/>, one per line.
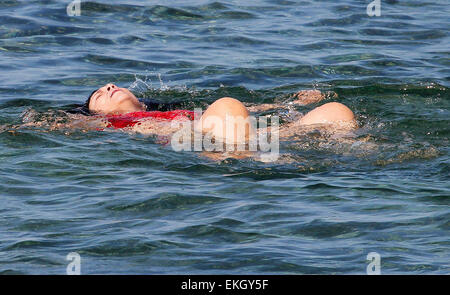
<point x="123" y="109"/>
<point x="113" y="108"/>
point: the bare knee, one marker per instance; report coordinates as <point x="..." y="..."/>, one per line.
<point x="227" y="119"/>
<point x="227" y="105"/>
<point x="331" y="112"/>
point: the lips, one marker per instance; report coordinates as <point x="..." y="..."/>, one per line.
<point x="112" y="93"/>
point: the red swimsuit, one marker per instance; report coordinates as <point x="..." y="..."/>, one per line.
<point x="130" y="119"/>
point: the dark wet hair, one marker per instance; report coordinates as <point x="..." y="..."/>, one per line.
<point x="151" y="105"/>
<point x="84" y="108"/>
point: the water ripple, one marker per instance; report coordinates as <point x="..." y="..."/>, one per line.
<point x="129" y="205"/>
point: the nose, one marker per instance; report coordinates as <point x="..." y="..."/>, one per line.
<point x="110" y="86"/>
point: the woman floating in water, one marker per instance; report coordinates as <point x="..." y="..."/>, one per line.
<point x="122" y="109"/>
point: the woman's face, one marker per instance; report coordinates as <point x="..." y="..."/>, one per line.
<point x="111" y="99"/>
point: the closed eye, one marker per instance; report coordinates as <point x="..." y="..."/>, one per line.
<point x="98" y="94"/>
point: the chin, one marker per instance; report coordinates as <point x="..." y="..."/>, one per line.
<point x="124" y="97"/>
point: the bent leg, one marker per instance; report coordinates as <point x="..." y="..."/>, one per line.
<point x="227" y="119"/>
<point x="332" y="112"/>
